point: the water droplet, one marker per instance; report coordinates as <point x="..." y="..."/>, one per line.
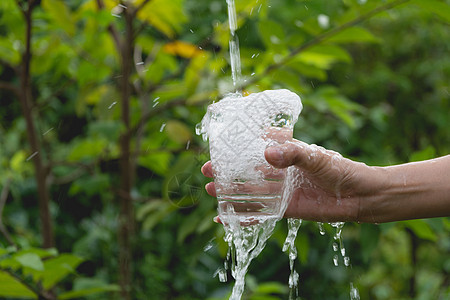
<point x="112" y="104"/>
<point x="192" y="31"/>
<point x="253" y="74"/>
<point x="222" y="274"/>
<point x="47" y="131"/>
<point x="32" y="155"/>
<point x="354" y="293"/>
<point x="346" y="261"/>
<point x="335" y="260"/>
<point x="162" y="127"/>
<point x="140" y="63"/>
<point x="323" y="20"/>
<point x="335" y="247"/>
<point x="188" y="144"/>
<point x="156" y="103"/>
<point x="321" y="228"/>
<point x="259" y="8"/>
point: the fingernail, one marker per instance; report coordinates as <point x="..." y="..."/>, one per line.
<point x="216" y="219"/>
<point x="275" y="154"/>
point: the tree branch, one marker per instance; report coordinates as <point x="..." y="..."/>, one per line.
<point x="322" y="37"/>
<point x="26" y="103"/>
<point x="9" y="87"/>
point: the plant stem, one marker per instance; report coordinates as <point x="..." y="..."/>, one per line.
<point x="26" y="103"/>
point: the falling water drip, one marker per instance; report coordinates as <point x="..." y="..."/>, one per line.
<point x="289" y="245"/>
<point x="321" y="229"/>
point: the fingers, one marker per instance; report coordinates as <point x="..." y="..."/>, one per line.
<point x="287" y="154"/>
<point x="211" y="189"/>
<point x="207" y="169"/>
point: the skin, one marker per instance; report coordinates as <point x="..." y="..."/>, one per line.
<point x="339" y="189"/>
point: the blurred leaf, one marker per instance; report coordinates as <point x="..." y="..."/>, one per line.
<point x="167" y="16"/>
<point x="303" y="246"/>
<point x="439" y="8"/>
<point x="11" y="287"/>
<point x="183" y="49"/>
<point x="369" y="237"/>
<point x="61" y="15"/>
<point x="271" y="33"/>
<point x="147" y="208"/>
<point x="271" y="288"/>
<point x="427" y="153"/>
<point x="30" y="260"/>
<point x="87" y="149"/>
<point x="178" y="131"/>
<point x="421" y="229"/>
<point x="89" y="291"/>
<point x="194" y="72"/>
<point x="324" y="56"/>
<point x="17" y="161"/>
<point x="354" y="35"/>
<point x="8" y="52"/>
<point x="157" y="161"/>
<point x="56" y="269"/>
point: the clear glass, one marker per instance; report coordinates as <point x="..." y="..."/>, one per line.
<point x="239" y="131"/>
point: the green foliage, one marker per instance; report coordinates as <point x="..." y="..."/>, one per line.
<point x="373" y="88"/>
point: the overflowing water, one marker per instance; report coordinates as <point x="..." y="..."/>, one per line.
<point x="246" y="239"/>
<point x="235" y="56"/>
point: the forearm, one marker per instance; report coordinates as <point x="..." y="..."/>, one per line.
<point x="409" y="191"/>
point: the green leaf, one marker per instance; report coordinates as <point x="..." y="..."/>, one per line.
<point x="89" y="291"/>
<point x="61" y="15"/>
<point x="271" y="33"/>
<point x="369" y="237"/>
<point x="354" y="35"/>
<point x="271" y="288"/>
<point x="11" y="287"/>
<point x="8" y="53"/>
<point x="421" y="228"/>
<point x="17" y="161"/>
<point x="439" y="8"/>
<point x="178" y="131"/>
<point x="157" y="161"/>
<point x="30" y="260"/>
<point x="87" y="149"/>
<point x="147" y="208"/>
<point x="166" y="16"/>
<point x="56" y="269"/>
<point x="427" y="153"/>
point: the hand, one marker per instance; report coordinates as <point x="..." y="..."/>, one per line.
<point x="328" y="187"/>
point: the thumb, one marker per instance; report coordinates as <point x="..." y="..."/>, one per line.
<point x="310" y="158"/>
<point x="288" y="154"/>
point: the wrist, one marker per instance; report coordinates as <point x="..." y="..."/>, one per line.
<point x="374" y="200"/>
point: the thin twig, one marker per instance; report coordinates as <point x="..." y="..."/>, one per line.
<point x="141" y="6"/>
<point x="111" y="28"/>
<point x="3" y="198"/>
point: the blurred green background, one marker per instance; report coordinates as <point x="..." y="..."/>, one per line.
<point x="101" y="195"/>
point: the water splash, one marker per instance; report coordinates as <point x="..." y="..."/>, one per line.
<point x="289" y="245"/>
<point x="245" y="243"/>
